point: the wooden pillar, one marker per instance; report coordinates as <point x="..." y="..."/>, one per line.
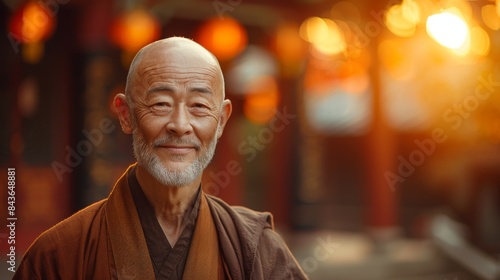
<point x="380" y="199"/>
<point x="96" y="76"/>
<point x="280" y="193"/>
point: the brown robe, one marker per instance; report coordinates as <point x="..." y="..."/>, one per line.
<point x="106" y="241"/>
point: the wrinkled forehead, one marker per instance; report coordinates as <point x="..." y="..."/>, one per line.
<point x="185" y="55"/>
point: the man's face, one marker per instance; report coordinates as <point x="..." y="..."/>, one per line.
<point x="176" y="114"/>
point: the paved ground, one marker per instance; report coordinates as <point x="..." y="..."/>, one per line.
<point x="353" y="256"/>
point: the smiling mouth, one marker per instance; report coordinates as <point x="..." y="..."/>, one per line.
<point x="180" y="150"/>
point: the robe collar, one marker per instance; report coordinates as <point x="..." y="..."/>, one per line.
<point x="128" y="245"/>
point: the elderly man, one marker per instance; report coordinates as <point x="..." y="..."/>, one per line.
<point x="157" y="223"/>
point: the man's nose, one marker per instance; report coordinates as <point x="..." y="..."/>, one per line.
<point x="179" y="122"/>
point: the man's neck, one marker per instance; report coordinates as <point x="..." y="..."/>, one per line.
<point x="170" y="203"/>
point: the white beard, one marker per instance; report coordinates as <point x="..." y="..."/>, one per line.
<point x="147" y="158"/>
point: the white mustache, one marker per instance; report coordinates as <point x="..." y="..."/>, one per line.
<point x="176" y="141"/>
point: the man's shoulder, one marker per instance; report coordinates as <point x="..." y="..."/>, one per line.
<point x="241" y="213"/>
<point x="72" y="228"/>
<point x="61" y="248"/>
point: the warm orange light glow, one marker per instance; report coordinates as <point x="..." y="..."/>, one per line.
<point x="460" y="7"/>
<point x="345" y="10"/>
<point x="324" y="34"/>
<point x="410" y="11"/>
<point x="134" y="30"/>
<point x="32" y="23"/>
<point x="289" y="48"/>
<point x="312" y="29"/>
<point x="448" y="29"/>
<point x="334" y="42"/>
<point x="479" y="41"/>
<point x="427" y="8"/>
<point x="356" y="84"/>
<point x="395" y="59"/>
<point x="224" y="37"/>
<point x="491" y="16"/>
<point x="287" y="44"/>
<point x="261" y="100"/>
<point x="402" y="19"/>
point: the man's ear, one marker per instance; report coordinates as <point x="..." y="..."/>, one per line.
<point x="124" y="112"/>
<point x="227" y="108"/>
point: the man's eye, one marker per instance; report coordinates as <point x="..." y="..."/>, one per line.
<point x="199" y="105"/>
<point x="161" y="107"/>
<point x="161" y="104"/>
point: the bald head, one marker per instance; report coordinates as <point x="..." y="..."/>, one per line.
<point x="171" y="52"/>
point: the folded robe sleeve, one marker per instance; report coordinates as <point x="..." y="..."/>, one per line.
<point x="275" y="259"/>
<point x="251" y="247"/>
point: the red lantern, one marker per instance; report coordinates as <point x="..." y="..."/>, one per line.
<point x="224" y="37"/>
<point x="133" y="30"/>
<point x="32" y="23"/>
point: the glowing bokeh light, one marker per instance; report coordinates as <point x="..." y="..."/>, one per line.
<point x="133" y="30"/>
<point x="324" y="34"/>
<point x="460" y="7"/>
<point x="480" y="41"/>
<point x="32" y="23"/>
<point x="395" y="59"/>
<point x="261" y="100"/>
<point x="289" y="48"/>
<point x="224" y="37"/>
<point x="334" y="42"/>
<point x="410" y="11"/>
<point x="313" y="29"/>
<point x="356" y="84"/>
<point x="490" y="16"/>
<point x="398" y="23"/>
<point x="426" y="8"/>
<point x="448" y="29"/>
<point x="287" y="43"/>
